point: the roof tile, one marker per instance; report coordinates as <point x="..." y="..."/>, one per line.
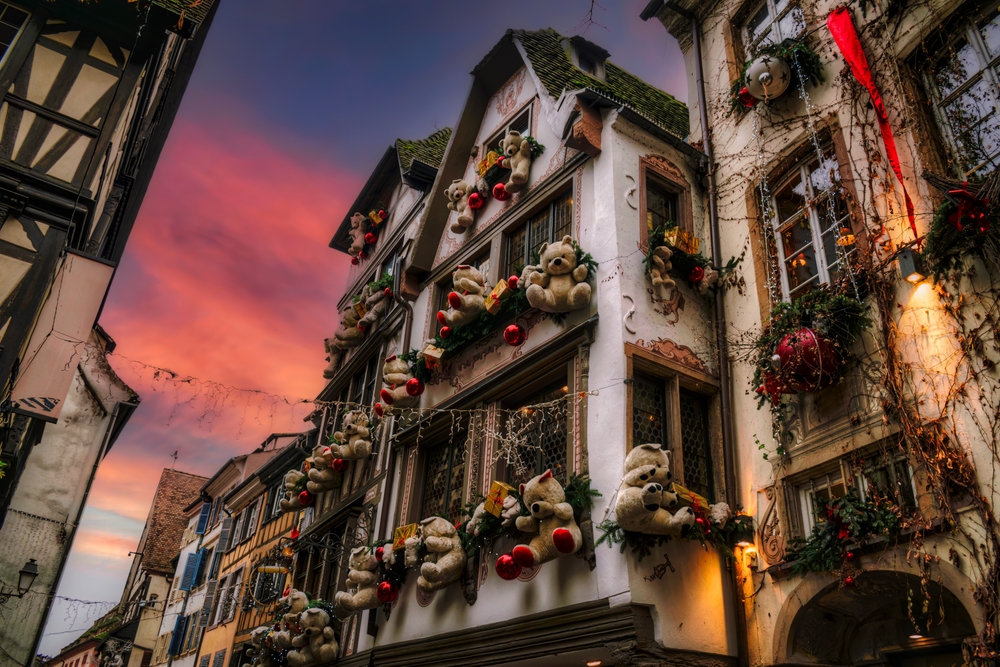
<point x="430" y="151"/>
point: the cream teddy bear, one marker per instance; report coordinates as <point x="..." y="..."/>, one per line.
<point x="354" y="441"/>
<point x="363" y="576"/>
<point x="458" y="200"/>
<point x="298" y="602"/>
<point x="508" y="514"/>
<point x="660" y="266"/>
<point x="395" y="374"/>
<point x="645" y="496"/>
<point x="322" y="474"/>
<point x="445" y="560"/>
<point x="517" y="158"/>
<point x="466" y="301"/>
<point x="357" y="233"/>
<point x="260" y="653"/>
<point x="348" y="335"/>
<point x="711" y="278"/>
<point x="551" y="518"/>
<point x="318" y="641"/>
<point x="333" y="356"/>
<point x="290" y="502"/>
<point x="378" y="303"/>
<point x="560" y="286"/>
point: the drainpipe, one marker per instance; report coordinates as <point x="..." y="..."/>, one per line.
<point x="725" y="395"/>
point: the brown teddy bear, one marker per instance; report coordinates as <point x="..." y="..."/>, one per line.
<point x="458" y="200"/>
<point x="290" y="503"/>
<point x="466" y="302"/>
<point x="357" y="233"/>
<point x="354" y="441"/>
<point x="561" y="285"/>
<point x="298" y="603"/>
<point x="551" y="518"/>
<point x="508" y="514"/>
<point x="517" y="157"/>
<point x="445" y="560"/>
<point x="395" y="374"/>
<point x="318" y="641"/>
<point x="322" y="475"/>
<point x="363" y="576"/>
<point x="660" y="266"/>
<point x="333" y="356"/>
<point x="260" y="653"/>
<point x="348" y="335"/>
<point x="646" y="495"/>
<point x="378" y="303"/>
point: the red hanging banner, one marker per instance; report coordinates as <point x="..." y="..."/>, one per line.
<point x="846" y="36"/>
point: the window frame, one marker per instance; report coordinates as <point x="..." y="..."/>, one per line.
<point x="549" y="207"/>
<point x="751" y="47"/>
<point x="667" y="176"/>
<point x="493" y="141"/>
<point x="454" y="445"/>
<point x="20" y="31"/>
<point x="535" y="394"/>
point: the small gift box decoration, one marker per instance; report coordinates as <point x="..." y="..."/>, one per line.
<point x="432" y="357"/>
<point x="499" y="292"/>
<point x="402" y="534"/>
<point x="494" y="500"/>
<point x="690" y="498"/>
<point x="681" y="239"/>
<point x="360" y="309"/>
<point x="375" y="218"/>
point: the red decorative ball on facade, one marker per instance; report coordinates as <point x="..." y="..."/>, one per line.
<point x="305" y="498"/>
<point x="295" y="533"/>
<point x="849" y="582"/>
<point x="850" y="556"/>
<point x="515" y="335"/>
<point x="340" y="465"/>
<point x="500" y="160"/>
<point x="507" y="568"/>
<point x="386" y="396"/>
<point x="370" y="238"/>
<point x="696" y="275"/>
<point x="512" y="282"/>
<point x="414" y="386"/>
<point x="476" y="201"/>
<point x="362" y="255"/>
<point x="445" y="332"/>
<point x="500" y="192"/>
<point x="806" y="361"/>
<point x="379" y="553"/>
<point x="746" y="99"/>
<point x="387" y="291"/>
<point x="382" y="214"/>
<point x="387" y="592"/>
<point x="355" y="261"/>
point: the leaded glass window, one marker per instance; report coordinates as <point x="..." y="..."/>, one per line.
<point x="649" y="410"/>
<point x="545" y="433"/>
<point x="695" y="443"/>
<point x="444" y="474"/>
<point x="550" y="224"/>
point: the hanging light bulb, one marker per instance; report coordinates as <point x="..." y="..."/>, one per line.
<point x="845" y="237"/>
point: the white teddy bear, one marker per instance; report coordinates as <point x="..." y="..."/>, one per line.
<point x="445" y="559"/>
<point x="646" y="495"/>
<point x="395" y="374"/>
<point x="458" y="200"/>
<point x="560" y="285"/>
<point x="290" y="503"/>
<point x="551" y="518"/>
<point x="363" y="576"/>
<point x="353" y="443"/>
<point x="517" y="158"/>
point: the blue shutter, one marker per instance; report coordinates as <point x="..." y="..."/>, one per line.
<point x="177" y="640"/>
<point x="220" y="658"/>
<point x="206" y="509"/>
<point x="190" y="569"/>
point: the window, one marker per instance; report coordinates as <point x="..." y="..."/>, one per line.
<point x="246" y="523"/>
<point x="12" y="20"/>
<point x="694" y="441"/>
<point x="228" y="597"/>
<point x="219" y="659"/>
<point x="890" y="478"/>
<point x="964" y="82"/>
<point x="545" y="433"/>
<point x="191" y="633"/>
<point x="444" y="474"/>
<point x="361" y="390"/>
<point x="267" y="586"/>
<point x="550" y="224"/>
<point x="661" y="205"/>
<point x="808" y="212"/>
<point x="770" y="22"/>
<point x="520" y="123"/>
<point x="276" y="494"/>
<point x="814" y="494"/>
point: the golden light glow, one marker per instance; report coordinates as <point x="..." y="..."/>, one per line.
<point x="595" y="663"/>
<point x="914" y="278"/>
<point x="916" y="636"/>
<point x="287" y="552"/>
<point x="272" y="569"/>
<point x="846" y="237"/>
<point x="799" y="261"/>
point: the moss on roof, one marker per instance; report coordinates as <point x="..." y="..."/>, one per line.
<point x="430" y="151"/>
<point x="100" y="630"/>
<point x="195" y="10"/>
<point x="552" y="65"/>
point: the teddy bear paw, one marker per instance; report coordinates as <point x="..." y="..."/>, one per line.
<point x="523" y="556"/>
<point x="652" y="494"/>
<point x="563" y="541"/>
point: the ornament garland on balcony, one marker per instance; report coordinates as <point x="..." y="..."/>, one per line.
<point x="674" y="252"/>
<point x="300" y="635"/>
<point x="364" y="233"/>
<point x="794" y="56"/>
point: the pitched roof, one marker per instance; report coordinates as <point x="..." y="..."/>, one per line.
<point x="552" y="65"/>
<point x="429" y="150"/>
<point x="101" y="628"/>
<point x="167" y="520"/>
<point x="195" y="10"/>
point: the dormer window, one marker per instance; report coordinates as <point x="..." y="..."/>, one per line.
<point x="519" y="123"/>
<point x="587" y="56"/>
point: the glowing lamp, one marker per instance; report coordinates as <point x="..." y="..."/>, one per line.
<point x="910" y="266"/>
<point x="845" y="237"/>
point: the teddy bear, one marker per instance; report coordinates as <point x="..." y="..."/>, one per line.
<point x="378" y="303"/>
<point x="646" y="495"/>
<point x="445" y="559"/>
<point x="660" y="266"/>
<point x="258" y="651"/>
<point x="711" y="278"/>
<point x="317" y="642"/>
<point x="517" y="157"/>
<point x="333" y="356"/>
<point x="353" y="442"/>
<point x="458" y="200"/>
<point x="290" y="502"/>
<point x="348" y="335"/>
<point x="395" y="374"/>
<point x="508" y="514"/>
<point x="363" y="576"/>
<point x="551" y="518"/>
<point x="298" y="602"/>
<point x="322" y="475"/>
<point x="357" y="233"/>
<point x="466" y="301"/>
<point x="561" y="285"/>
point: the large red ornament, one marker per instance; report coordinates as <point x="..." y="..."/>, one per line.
<point x="340" y="465"/>
<point x="370" y="238"/>
<point x="806" y="360"/>
<point x="512" y="282"/>
<point x="386" y="396"/>
<point x="476" y="201"/>
<point x="507" y="568"/>
<point x="355" y="261"/>
<point x="697" y="275"/>
<point x="305" y="498"/>
<point x="970" y="209"/>
<point x="382" y="214"/>
<point x="500" y="192"/>
<point x="295" y="533"/>
<point x="379" y="553"/>
<point x="849" y="582"/>
<point x="445" y="332"/>
<point x="414" y="386"/>
<point x="387" y="592"/>
<point x="515" y="335"/>
<point x="746" y="99"/>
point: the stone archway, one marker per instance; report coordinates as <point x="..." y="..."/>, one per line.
<point x="869" y="624"/>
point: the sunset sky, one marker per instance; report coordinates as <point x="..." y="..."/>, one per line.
<point x="227" y="276"/>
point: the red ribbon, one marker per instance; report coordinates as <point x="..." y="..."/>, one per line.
<point x="846" y="36"/>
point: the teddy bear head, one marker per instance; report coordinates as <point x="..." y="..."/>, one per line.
<point x="348" y="317"/>
<point x="357" y="220"/>
<point x="395" y="371"/>
<point x="292" y="478"/>
<point x="313" y="621"/>
<point x="257" y="635"/>
<point x="541" y="494"/>
<point x="297" y="600"/>
<point x="456" y="190"/>
<point x="511" y="144"/>
<point x="362" y="560"/>
<point x="558" y="258"/>
<point x="648" y="463"/>
<point x="354" y="420"/>
<point x="468" y="279"/>
<point x="435" y="526"/>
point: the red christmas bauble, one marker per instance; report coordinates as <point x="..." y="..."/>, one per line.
<point x="355" y="261"/>
<point x="454" y="300"/>
<point x="696" y="275"/>
<point x="476" y="201"/>
<point x="806" y="360"/>
<point x="501" y="160"/>
<point x="387" y="291"/>
<point x="849" y="582"/>
<point x="379" y="410"/>
<point x="295" y="533"/>
<point x="305" y="498"/>
<point x="277" y="627"/>
<point x="500" y="192"/>
<point x="414" y="386"/>
<point x="512" y="282"/>
<point x="379" y="553"/>
<point x="508" y="568"/>
<point x="387" y="592"/>
<point x="362" y="255"/>
<point x="850" y="556"/>
<point x="386" y="396"/>
<point x="746" y="99"/>
<point x="340" y="465"/>
<point x="382" y="214"/>
<point x="370" y="238"/>
<point x="515" y="335"/>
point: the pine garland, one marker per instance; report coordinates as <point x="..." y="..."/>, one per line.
<point x="945" y="246"/>
<point x="484" y="324"/>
